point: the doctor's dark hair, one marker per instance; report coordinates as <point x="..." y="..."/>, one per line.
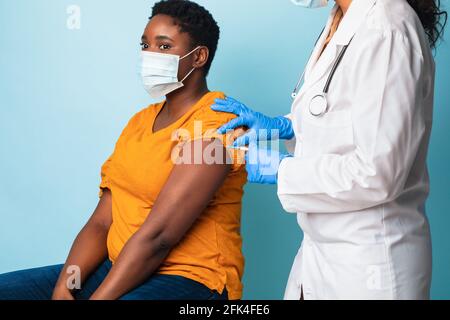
<point x="432" y="17"/>
<point x="194" y="20"/>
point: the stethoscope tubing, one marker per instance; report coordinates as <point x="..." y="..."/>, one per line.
<point x="326" y="88"/>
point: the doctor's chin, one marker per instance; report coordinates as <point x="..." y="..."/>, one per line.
<point x="250" y="153"/>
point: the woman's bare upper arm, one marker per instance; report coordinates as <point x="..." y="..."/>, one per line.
<point x="103" y="213"/>
<point x="187" y="193"/>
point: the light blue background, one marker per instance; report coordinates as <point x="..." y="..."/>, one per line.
<point x="65" y="96"/>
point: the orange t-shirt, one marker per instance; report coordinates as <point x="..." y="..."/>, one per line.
<point x="211" y="252"/>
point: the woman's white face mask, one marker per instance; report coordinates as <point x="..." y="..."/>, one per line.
<point x="159" y="72"/>
<point x="311" y="3"/>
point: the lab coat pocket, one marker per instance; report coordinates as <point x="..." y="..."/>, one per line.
<point x="331" y="133"/>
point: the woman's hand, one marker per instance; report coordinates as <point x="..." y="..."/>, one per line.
<point x="260" y="127"/>
<point x="61" y="292"/>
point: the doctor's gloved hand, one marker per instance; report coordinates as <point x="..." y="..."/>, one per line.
<point x="261" y="127"/>
<point x="263" y="164"/>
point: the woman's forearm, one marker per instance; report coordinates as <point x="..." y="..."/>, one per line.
<point x="139" y="259"/>
<point x="88" y="251"/>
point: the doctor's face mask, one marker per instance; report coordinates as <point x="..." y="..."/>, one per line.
<point x="310" y="3"/>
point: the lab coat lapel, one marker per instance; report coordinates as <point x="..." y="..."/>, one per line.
<point x="319" y="67"/>
<point x="323" y="64"/>
<point x="315" y="54"/>
<point x="319" y="45"/>
<point x="352" y="21"/>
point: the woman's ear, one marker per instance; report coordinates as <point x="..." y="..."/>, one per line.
<point x="201" y="57"/>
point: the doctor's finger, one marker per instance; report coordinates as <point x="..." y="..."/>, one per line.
<point x="228" y="107"/>
<point x="222" y="102"/>
<point x="251" y="157"/>
<point x="233" y="124"/>
<point x="246" y="139"/>
<point x="232" y="100"/>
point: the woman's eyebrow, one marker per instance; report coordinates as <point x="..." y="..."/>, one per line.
<point x="163" y="37"/>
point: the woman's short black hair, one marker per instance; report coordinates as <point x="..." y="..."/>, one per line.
<point x="194" y="20"/>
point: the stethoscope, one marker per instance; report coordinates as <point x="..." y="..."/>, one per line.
<point x="318" y="105"/>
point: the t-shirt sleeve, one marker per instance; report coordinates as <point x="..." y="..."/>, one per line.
<point x="105" y="176"/>
<point x="205" y="126"/>
<point x="107" y="170"/>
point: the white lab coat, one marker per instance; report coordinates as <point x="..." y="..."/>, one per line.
<point x="358" y="180"/>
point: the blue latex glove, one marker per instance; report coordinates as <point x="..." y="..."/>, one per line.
<point x="260" y="127"/>
<point x="263" y="164"/>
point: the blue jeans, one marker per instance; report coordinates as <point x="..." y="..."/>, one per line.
<point x="38" y="284"/>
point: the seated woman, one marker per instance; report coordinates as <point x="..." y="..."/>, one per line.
<point x="167" y="226"/>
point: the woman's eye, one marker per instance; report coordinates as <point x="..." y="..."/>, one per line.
<point x="144" y="46"/>
<point x="164" y="47"/>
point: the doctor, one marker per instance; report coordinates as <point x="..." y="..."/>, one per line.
<point x="358" y="138"/>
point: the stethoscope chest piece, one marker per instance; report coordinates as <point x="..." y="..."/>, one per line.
<point x="318" y="105"/>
